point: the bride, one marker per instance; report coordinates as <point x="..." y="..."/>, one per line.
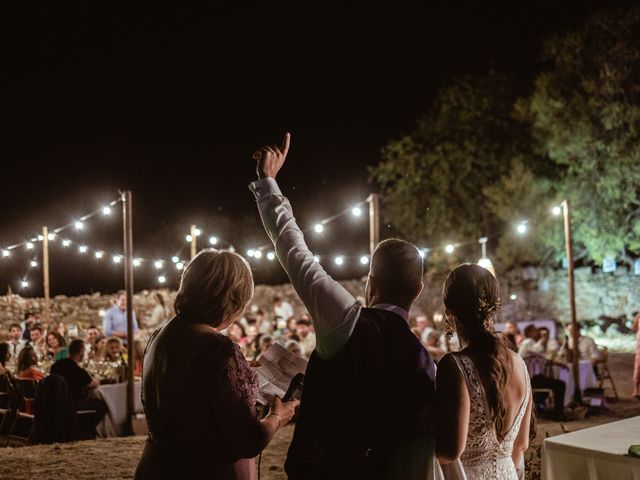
<point x="483" y="394"/>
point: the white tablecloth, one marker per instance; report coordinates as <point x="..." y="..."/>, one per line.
<point x="115" y="396"/>
<point x="598" y="453"/>
<point x="587" y="379"/>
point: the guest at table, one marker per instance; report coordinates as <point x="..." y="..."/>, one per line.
<point x="4" y="357"/>
<point x="306" y="336"/>
<point x="200" y="401"/>
<point x="587" y="348"/>
<point x="114" y="323"/>
<point x="16" y="342"/>
<point x="38" y="342"/>
<point x="92" y="333"/>
<point x="28" y="365"/>
<point x="636" y="368"/>
<point x="100" y="349"/>
<point x="56" y="346"/>
<point x="532" y="344"/>
<point x="551" y="345"/>
<point x="512" y="334"/>
<point x="160" y="313"/>
<point x="114" y="350"/>
<point x="61" y="328"/>
<point x="30" y="319"/>
<point x="79" y="381"/>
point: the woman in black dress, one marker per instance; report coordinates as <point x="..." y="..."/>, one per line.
<point x="198" y="391"/>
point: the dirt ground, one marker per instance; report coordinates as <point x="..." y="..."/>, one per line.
<point x="116" y="458"/>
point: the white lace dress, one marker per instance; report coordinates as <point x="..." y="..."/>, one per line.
<point x="485" y="457"/>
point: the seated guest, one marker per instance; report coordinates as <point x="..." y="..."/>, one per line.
<point x="587" y="348"/>
<point x="531" y="345"/>
<point x="61" y="328"/>
<point x="4" y="357"/>
<point x="30" y="319"/>
<point x="290" y="331"/>
<point x="114" y="350"/>
<point x="16" y="343"/>
<point x="79" y="381"/>
<point x="293" y="347"/>
<point x="307" y="338"/>
<point x="265" y="326"/>
<point x="433" y="345"/>
<point x="28" y="365"/>
<point x="100" y="349"/>
<point x="38" y="341"/>
<point x="552" y="346"/>
<point x="56" y="346"/>
<point x="198" y="390"/>
<point x="512" y="334"/>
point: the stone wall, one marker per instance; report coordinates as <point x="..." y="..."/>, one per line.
<point x="538" y="293"/>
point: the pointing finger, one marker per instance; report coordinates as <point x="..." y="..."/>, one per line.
<point x="285" y="144"/>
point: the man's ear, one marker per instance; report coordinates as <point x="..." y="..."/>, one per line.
<point x="419" y="290"/>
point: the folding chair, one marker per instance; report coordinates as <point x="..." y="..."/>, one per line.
<point x="23" y="422"/>
<point x="602" y="366"/>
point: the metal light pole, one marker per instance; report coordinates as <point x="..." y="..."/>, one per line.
<point x="127" y="227"/>
<point x="374" y="221"/>
<point x="194" y="241"/>
<point x="575" y="334"/>
<point x="45" y="274"/>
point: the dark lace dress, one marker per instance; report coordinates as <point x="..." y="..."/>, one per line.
<point x="199" y="398"/>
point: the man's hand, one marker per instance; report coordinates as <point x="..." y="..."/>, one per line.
<point x="271" y="159"/>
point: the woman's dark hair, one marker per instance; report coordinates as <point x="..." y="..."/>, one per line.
<point x="4" y="350"/>
<point x="472" y="293"/>
<point x="27" y="359"/>
<point x="60" y="338"/>
<point x="215" y="285"/>
<point x="160" y="298"/>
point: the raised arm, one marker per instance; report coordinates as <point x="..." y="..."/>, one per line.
<point x="333" y="309"/>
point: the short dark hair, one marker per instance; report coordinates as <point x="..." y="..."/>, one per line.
<point x="544" y="328"/>
<point x="15" y="325"/>
<point x="120" y="293"/>
<point x="276" y="298"/>
<point x="303" y="321"/>
<point x="92" y="326"/>
<point x="75" y="347"/>
<point x="398" y="269"/>
<point x="29" y="314"/>
<point x="36" y="327"/>
<point x="529" y="329"/>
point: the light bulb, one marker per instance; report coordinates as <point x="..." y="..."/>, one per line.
<point x="106" y="210"/>
<point x="29" y="246"/>
<point x="24" y="284"/>
<point x="257" y="254"/>
<point x="213" y="240"/>
<point x="175" y="259"/>
<point x="82" y="249"/>
<point x="271" y="256"/>
<point x="318" y="227"/>
<point x="521" y="228"/>
<point x="117" y="259"/>
<point x="316" y="258"/>
<point x="162" y="279"/>
<point x="99" y="255"/>
<point x="189" y="238"/>
<point x="449" y="248"/>
<point x="79" y="225"/>
<point x="66" y="243"/>
<point x="51" y="236"/>
<point x="179" y="265"/>
<point x="364" y="260"/>
<point x="6" y="253"/>
<point x="137" y="262"/>
<point x="34" y="263"/>
<point x="339" y="260"/>
<point x="356" y="211"/>
<point x="251" y="252"/>
<point x="157" y="264"/>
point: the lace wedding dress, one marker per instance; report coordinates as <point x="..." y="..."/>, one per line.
<point x="484" y="456"/>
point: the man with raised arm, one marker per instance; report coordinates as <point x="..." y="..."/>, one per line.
<point x="369" y="378"/>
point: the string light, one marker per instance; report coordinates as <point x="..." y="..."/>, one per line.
<point x="137" y="262"/>
<point x="339" y="260"/>
<point x="29" y="245"/>
<point x="83" y="249"/>
<point x="24" y="284"/>
<point x="271" y="256"/>
<point x="197" y="231"/>
<point x="40" y="238"/>
<point x="189" y="238"/>
<point x="522" y="228"/>
<point x="99" y="254"/>
<point x="34" y="263"/>
<point x="257" y="254"/>
<point x="356" y="211"/>
<point x="175" y="259"/>
<point x="6" y="253"/>
<point x="51" y="237"/>
<point x="162" y="279"/>
<point x="179" y="265"/>
<point x="106" y="210"/>
<point x="66" y="243"/>
<point x="213" y="240"/>
<point x="449" y="248"/>
<point x="318" y="227"/>
<point x="79" y="225"/>
<point x="513" y="296"/>
<point x="117" y="259"/>
<point x="251" y="252"/>
<point x="364" y="260"/>
<point x="557" y="210"/>
<point x="158" y="264"/>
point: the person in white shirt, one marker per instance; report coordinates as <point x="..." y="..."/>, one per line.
<point x="531" y="345"/>
<point x="283" y="311"/>
<point x="306" y="338"/>
<point x="16" y="342"/>
<point x="587" y="348"/>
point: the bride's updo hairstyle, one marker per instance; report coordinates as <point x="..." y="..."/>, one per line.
<point x="472" y="294"/>
<point x="215" y="285"/>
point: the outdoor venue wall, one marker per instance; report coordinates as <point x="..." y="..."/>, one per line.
<point x="539" y="294"/>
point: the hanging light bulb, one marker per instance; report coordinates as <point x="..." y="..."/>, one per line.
<point x="257" y="254"/>
<point x="251" y="252"/>
<point x="83" y="249"/>
<point x="51" y="237"/>
<point x="339" y="260"/>
<point x="117" y="259"/>
<point x="162" y="279"/>
<point x="179" y="265"/>
<point x="318" y="227"/>
<point x="175" y="259"/>
<point x="449" y="248"/>
<point x="34" y="263"/>
<point x="137" y="262"/>
<point x="6" y="253"/>
<point x="188" y="238"/>
<point x="271" y="256"/>
<point x="79" y="225"/>
<point x="99" y="255"/>
<point x="24" y="284"/>
<point x="29" y="245"/>
<point x="197" y="232"/>
<point x="364" y="259"/>
<point x="522" y="228"/>
<point x="66" y="243"/>
<point x="356" y="211"/>
<point x="213" y="240"/>
<point x="40" y="238"/>
<point x="557" y="210"/>
<point x="106" y="210"/>
<point x="158" y="264"/>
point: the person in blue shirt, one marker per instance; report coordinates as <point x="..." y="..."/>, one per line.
<point x="114" y="323"/>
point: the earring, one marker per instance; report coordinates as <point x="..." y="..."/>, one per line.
<point x="448" y="330"/>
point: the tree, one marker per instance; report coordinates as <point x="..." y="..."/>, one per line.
<point x="585" y="116"/>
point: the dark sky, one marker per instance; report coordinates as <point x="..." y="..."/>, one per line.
<point x="171" y="104"/>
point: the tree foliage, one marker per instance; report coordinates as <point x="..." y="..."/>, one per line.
<point x="491" y="152"/>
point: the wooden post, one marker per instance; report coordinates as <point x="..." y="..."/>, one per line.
<point x="575" y="333"/>
<point x="194" y="241"/>
<point x="127" y="227"/>
<point x="374" y="221"/>
<point x="45" y="274"/>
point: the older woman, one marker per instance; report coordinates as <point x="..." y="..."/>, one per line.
<point x="198" y="391"/>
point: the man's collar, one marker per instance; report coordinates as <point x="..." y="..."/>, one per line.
<point x="394" y="309"/>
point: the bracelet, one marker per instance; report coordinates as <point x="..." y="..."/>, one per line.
<point x="278" y="417"/>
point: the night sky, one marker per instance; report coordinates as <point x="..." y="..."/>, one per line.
<point x="171" y="104"/>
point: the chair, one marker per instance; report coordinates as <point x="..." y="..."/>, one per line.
<point x="28" y="389"/>
<point x="539" y="365"/>
<point x="23" y="422"/>
<point x="602" y="367"/>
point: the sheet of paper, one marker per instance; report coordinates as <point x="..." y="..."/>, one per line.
<point x="277" y="368"/>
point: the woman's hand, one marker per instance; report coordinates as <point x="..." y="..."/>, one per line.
<point x="284" y="410"/>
